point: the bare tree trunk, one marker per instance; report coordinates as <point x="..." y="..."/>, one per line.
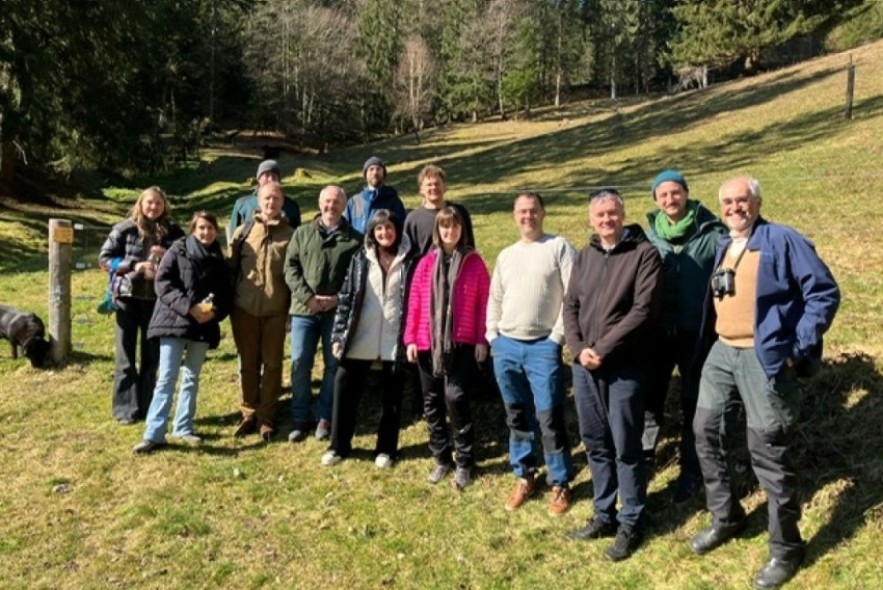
<point x="558" y="68"/>
<point x="7" y="158"/>
<point x="7" y="163"/>
<point x="211" y="79"/>
<point x="613" y="77"/>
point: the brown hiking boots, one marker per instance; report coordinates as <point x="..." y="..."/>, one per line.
<point x="560" y="502"/>
<point x="524" y="489"/>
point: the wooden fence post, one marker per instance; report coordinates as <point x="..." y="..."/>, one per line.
<point x="850" y="89"/>
<point x="61" y="240"/>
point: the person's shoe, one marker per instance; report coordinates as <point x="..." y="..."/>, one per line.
<point x="267" y="432"/>
<point x="146" y="446"/>
<point x="560" y="502"/>
<point x="627" y="540"/>
<point x="246" y="427"/>
<point x="191" y="439"/>
<point x="523" y="490"/>
<point x="323" y="430"/>
<point x="686" y="487"/>
<point x="331" y="458"/>
<point x="462" y="478"/>
<point x="298" y="434"/>
<point x="594" y="529"/>
<point x="126" y="421"/>
<point x="383" y="461"/>
<point x="713" y="537"/>
<point x="439" y="472"/>
<point x="777" y="571"/>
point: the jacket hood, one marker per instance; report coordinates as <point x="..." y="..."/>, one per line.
<point x="632" y="235"/>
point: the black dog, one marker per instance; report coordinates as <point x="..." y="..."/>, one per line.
<point x="25" y="330"/>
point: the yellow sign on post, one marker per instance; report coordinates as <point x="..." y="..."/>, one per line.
<point x="63" y="235"/>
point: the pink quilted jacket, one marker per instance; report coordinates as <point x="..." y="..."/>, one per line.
<point x="470" y="302"/>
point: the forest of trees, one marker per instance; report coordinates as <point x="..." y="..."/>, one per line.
<point x="126" y="86"/>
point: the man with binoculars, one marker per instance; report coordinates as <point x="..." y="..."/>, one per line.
<point x="771" y="300"/>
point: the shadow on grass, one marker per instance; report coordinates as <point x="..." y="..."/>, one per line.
<point x="838" y="455"/>
<point x="841" y="443"/>
<point x="79" y="357"/>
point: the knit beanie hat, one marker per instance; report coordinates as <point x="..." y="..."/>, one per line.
<point x="669" y="175"/>
<point x="373" y="161"/>
<point x="268" y="166"/>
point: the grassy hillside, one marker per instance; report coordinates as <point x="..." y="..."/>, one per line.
<point x="79" y="511"/>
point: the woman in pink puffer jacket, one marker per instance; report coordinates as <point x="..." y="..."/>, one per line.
<point x="444" y="335"/>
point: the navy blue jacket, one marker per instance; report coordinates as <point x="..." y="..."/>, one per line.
<point x="361" y="206"/>
<point x="797" y="296"/>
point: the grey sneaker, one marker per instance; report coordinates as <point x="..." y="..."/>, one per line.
<point x="440" y="472"/>
<point x="323" y="430"/>
<point x="190" y="438"/>
<point x="383" y="461"/>
<point x="146" y="446"/>
<point x="462" y="478"/>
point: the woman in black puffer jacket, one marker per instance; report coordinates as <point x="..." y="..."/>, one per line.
<point x="193" y="295"/>
<point x="131" y="254"/>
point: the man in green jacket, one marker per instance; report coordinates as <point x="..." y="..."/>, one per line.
<point x="686" y="234"/>
<point x="315" y="266"/>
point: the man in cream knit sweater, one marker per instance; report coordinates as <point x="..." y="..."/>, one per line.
<point x="525" y="331"/>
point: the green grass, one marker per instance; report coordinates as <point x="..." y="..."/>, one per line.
<point x="79" y="511"/>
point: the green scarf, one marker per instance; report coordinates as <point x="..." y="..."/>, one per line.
<point x="667" y="231"/>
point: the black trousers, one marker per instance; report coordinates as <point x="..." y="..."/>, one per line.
<point x="672" y="349"/>
<point x="133" y="381"/>
<point x="447" y="396"/>
<point x="349" y="385"/>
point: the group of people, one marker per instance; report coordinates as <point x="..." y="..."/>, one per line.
<point x="738" y="304"/>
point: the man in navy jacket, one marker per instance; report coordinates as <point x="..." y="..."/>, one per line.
<point x="770" y="301"/>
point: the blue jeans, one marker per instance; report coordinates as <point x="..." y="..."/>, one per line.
<point x="531" y="379"/>
<point x="610" y="408"/>
<point x="175" y="355"/>
<point x="306" y="330"/>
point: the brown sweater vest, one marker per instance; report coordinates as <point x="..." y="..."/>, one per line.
<point x="735" y="314"/>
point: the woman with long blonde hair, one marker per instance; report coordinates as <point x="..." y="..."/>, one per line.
<point x="132" y="253"/>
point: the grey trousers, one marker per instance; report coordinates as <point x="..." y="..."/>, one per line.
<point x="772" y="408"/>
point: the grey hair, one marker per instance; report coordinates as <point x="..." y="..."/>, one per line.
<point x="753" y="187"/>
<point x="333" y="187"/>
<point x="604" y="194"/>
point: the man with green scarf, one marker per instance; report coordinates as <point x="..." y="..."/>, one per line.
<point x="686" y="235"/>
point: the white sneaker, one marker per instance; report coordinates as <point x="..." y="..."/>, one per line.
<point x="383" y="461"/>
<point x="331" y="458"/>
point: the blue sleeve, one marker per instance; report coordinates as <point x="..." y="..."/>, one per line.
<point x="821" y="295"/>
<point x="235" y="218"/>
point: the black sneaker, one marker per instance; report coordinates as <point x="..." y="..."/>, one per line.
<point x="627" y="540"/>
<point x="594" y="529"/>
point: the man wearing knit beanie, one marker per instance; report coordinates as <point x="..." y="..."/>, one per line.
<point x="686" y="234"/>
<point x="245" y="207"/>
<point x="375" y="196"/>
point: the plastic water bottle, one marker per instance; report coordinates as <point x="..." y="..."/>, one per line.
<point x="208" y="303"/>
